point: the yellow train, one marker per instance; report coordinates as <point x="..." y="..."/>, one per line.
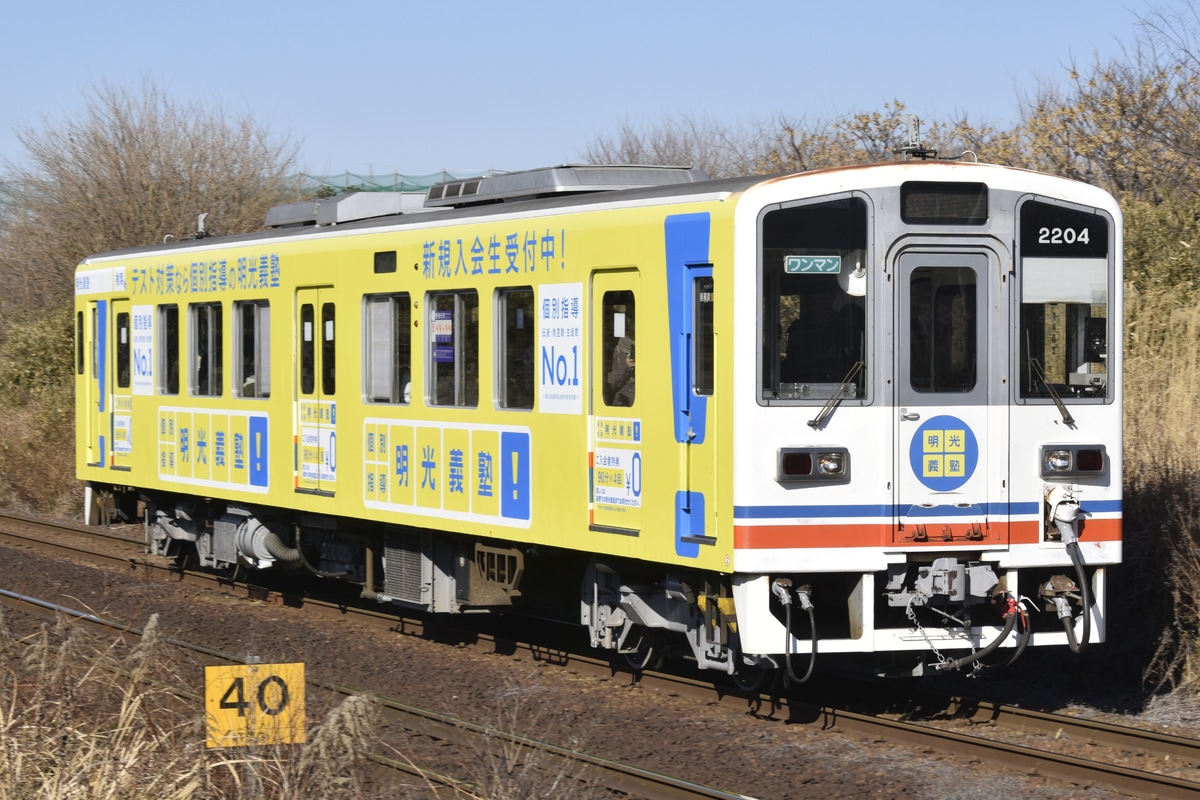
<point x="863" y="410"/>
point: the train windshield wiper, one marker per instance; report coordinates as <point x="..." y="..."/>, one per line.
<point x="836" y="398"/>
<point x="1062" y="408"/>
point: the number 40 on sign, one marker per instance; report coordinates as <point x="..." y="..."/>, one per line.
<point x="254" y="704"/>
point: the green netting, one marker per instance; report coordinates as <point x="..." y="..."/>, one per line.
<point x="395" y="182"/>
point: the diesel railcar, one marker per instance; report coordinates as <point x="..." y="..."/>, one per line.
<point x="863" y="411"/>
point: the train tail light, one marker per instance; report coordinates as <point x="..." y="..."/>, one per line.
<point x="813" y="465"/>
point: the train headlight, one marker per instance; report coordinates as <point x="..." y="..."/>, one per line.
<point x="1087" y="460"/>
<point x="831" y="463"/>
<point x="1057" y="460"/>
<point x="812" y="465"/>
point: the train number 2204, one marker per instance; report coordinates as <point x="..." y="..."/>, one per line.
<point x="1063" y="236"/>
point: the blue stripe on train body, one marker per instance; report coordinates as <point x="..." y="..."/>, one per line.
<point x="686" y="237"/>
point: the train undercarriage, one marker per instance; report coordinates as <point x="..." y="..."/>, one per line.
<point x="944" y="613"/>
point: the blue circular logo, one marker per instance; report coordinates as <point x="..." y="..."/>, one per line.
<point x="943" y="453"/>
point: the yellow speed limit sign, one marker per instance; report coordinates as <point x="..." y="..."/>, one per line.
<point x="254" y="704"/>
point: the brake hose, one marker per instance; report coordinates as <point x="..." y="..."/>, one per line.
<point x="1009" y="624"/>
<point x="1086" y="592"/>
<point x="790" y="677"/>
<point x="1015" y="612"/>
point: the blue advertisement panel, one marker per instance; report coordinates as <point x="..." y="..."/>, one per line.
<point x="515" y="475"/>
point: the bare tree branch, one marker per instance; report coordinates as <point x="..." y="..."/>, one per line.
<point x="130" y="168"/>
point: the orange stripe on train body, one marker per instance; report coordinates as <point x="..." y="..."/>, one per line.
<point x="783" y="537"/>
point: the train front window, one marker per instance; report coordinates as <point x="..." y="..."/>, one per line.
<point x="813" y="278"/>
<point x="943" y="321"/>
<point x="1064" y="327"/>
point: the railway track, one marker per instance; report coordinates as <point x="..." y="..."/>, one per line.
<point x="468" y="737"/>
<point x="1125" y="759"/>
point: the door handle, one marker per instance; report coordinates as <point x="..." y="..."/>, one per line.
<point x="909" y="416"/>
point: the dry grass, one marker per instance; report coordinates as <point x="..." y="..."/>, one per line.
<point x="1160" y="581"/>
<point x="513" y="768"/>
<point x="81" y="719"/>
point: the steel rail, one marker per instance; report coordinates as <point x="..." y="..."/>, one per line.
<point x="627" y="778"/>
<point x="1161" y="745"/>
<point x="1029" y="759"/>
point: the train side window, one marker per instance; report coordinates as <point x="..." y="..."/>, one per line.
<point x="95" y="342"/>
<point x="387" y="354"/>
<point x="453" y="348"/>
<point x="79" y="349"/>
<point x="516" y="339"/>
<point x="328" y="351"/>
<point x="168" y="349"/>
<point x="813" y="280"/>
<point x="308" y="352"/>
<point x="206" y="349"/>
<point x="617" y="350"/>
<point x="252" y="338"/>
<point x="703" y="339"/>
<point x="123" y="350"/>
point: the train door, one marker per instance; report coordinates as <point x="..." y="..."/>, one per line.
<point x="95" y="329"/>
<point x="616" y="405"/>
<point x="109" y="343"/>
<point x="951" y="398"/>
<point x="122" y="385"/>
<point x="693" y="380"/>
<point x="316" y="386"/>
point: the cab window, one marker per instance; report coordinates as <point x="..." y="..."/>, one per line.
<point x="812" y="277"/>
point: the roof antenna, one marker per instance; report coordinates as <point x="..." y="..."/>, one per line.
<point x="914" y="148"/>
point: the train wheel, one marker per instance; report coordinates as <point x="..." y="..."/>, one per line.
<point x="643" y="649"/>
<point x="229" y="573"/>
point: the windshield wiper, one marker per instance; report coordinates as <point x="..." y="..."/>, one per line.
<point x="1062" y="408"/>
<point x="825" y="411"/>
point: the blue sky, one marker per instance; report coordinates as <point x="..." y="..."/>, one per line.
<point x="417" y="87"/>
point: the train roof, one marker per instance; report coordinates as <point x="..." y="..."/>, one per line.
<point x="532" y="191"/>
<point x="545" y="189"/>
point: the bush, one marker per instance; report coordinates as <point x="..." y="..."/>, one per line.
<point x="37" y="418"/>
